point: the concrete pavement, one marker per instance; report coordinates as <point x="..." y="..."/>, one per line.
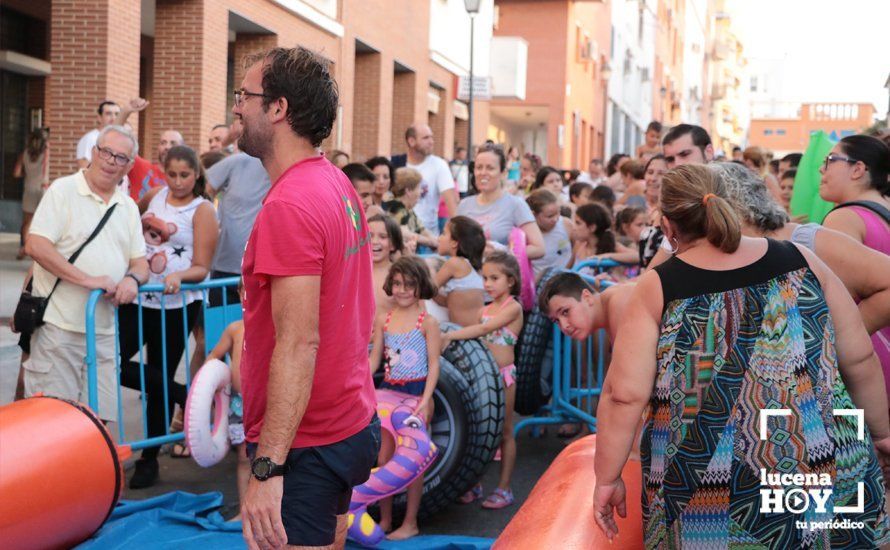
<point x="12" y="275"/>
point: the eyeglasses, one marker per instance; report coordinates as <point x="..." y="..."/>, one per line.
<point x="108" y="154"/>
<point x="241" y="95"/>
<point x="833" y="157"/>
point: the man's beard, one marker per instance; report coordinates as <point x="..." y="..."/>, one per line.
<point x="254" y="142"/>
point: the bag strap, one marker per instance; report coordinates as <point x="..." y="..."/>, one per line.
<point x="875" y="207"/>
<point x="77" y="252"/>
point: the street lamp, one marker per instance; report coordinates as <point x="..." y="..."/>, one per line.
<point x="472" y="7"/>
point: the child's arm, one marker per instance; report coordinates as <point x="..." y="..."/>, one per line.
<point x="579" y="250"/>
<point x="446" y="272"/>
<point x="224" y="345"/>
<point x="434" y="349"/>
<point x="443" y="275"/>
<point x="622" y="255"/>
<point x="376" y="345"/>
<point x="503" y="318"/>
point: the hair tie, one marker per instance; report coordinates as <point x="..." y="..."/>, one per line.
<point x="707" y="197"/>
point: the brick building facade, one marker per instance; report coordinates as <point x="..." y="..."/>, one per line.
<point x="184" y="56"/>
<point x="562" y="117"/>
<point x="792" y="135"/>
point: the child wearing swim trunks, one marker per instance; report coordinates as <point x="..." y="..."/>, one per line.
<point x="498" y="325"/>
<point x="406" y="340"/>
<point x="580" y="311"/>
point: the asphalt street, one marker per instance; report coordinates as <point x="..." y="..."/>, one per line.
<point x="535" y="455"/>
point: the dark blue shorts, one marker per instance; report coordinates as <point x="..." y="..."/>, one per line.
<point x="414" y="388"/>
<point x="318" y="484"/>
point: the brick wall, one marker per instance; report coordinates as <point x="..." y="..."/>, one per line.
<point x="366" y="105"/>
<point x="190" y="68"/>
<point x="247" y="44"/>
<point x="404" y="95"/>
<point x="460" y="132"/>
<point x="94" y="49"/>
<point x="443" y="130"/>
<point x="185" y="68"/>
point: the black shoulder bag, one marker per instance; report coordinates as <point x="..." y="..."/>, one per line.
<point x="30" y="309"/>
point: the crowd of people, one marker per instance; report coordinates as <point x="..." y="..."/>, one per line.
<point x="427" y="241"/>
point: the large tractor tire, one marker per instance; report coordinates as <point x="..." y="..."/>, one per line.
<point x="466" y="426"/>
<point x="534" y="341"/>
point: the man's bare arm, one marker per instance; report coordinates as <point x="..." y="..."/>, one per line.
<point x="295" y="303"/>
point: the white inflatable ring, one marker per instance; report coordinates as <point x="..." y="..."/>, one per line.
<point x="211" y="386"/>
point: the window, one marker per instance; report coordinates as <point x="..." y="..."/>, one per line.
<point x="780" y="132"/>
<point x="767" y="132"/>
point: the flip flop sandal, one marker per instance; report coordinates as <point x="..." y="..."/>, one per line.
<point x="472" y="495"/>
<point x="179" y="450"/>
<point x="498" y="499"/>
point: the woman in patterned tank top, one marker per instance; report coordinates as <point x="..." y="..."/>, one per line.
<point x="728" y="328"/>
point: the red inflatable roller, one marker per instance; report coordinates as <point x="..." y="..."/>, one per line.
<point x="559" y="511"/>
<point x="60" y="474"/>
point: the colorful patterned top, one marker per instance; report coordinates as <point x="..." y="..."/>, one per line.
<point x="732" y="344"/>
<point x="405" y="354"/>
<point x="502" y="336"/>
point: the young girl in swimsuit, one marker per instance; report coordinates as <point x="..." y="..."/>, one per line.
<point x="498" y="326"/>
<point x="460" y="286"/>
<point x="407" y="341"/>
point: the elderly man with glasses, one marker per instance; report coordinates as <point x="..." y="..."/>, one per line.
<point x="113" y="261"/>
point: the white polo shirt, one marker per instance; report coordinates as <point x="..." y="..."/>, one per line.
<point x="67" y="215"/>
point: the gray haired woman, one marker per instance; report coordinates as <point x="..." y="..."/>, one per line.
<point x="864" y="272"/>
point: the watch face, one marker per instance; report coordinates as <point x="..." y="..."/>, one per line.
<point x="262" y="467"/>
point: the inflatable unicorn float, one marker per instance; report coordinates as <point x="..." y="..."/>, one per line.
<point x="414" y="453"/>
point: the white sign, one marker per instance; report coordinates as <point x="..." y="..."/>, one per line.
<point x="785" y="492"/>
<point x="481" y="88"/>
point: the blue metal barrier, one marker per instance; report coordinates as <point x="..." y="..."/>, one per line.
<point x="215" y="321"/>
<point x="577" y="379"/>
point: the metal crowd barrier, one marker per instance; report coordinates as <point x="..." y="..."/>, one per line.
<point x="577" y="375"/>
<point x="215" y="320"/>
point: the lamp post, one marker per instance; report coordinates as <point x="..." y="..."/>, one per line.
<point x="472" y="7"/>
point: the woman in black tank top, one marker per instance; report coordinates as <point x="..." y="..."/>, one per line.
<point x="728" y="327"/>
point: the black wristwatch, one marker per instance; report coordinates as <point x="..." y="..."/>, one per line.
<point x="263" y="468"/>
<point x="134" y="277"/>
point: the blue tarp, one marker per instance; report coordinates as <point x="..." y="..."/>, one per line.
<point x="184" y="520"/>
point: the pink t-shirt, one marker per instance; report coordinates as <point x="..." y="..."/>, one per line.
<point x="312" y="223"/>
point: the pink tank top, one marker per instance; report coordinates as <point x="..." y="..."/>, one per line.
<point x="877" y="232"/>
<point x="877" y="237"/>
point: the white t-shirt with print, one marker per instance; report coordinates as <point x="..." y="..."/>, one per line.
<point x="436" y="180"/>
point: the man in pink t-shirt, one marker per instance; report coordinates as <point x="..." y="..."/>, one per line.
<point x="309" y="404"/>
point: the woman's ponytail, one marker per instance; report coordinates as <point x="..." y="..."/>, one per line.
<point x="695" y="200"/>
